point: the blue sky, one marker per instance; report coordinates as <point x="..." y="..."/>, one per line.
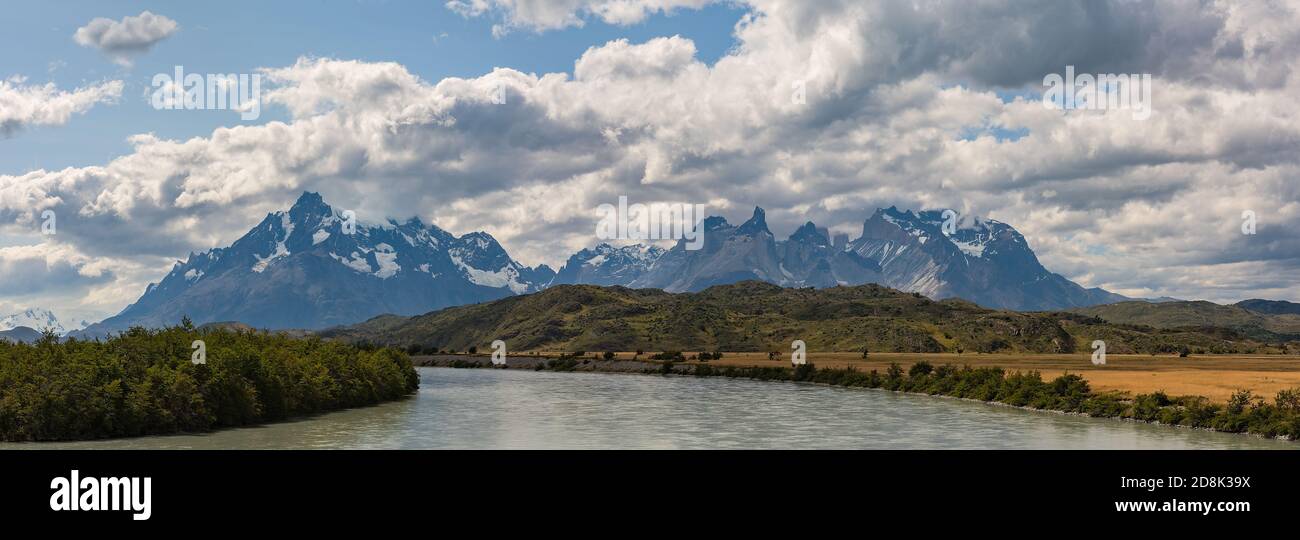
<point x="240" y="36"/>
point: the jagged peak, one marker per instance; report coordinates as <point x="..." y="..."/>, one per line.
<point x="480" y="240"/>
<point x="309" y="199"/>
<point x="810" y="232"/>
<point x="478" y="235"/>
<point x="756" y="223"/>
<point x="712" y="223"/>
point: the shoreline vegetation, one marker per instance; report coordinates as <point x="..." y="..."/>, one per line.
<point x="144" y="382"/>
<point x="1243" y="412"/>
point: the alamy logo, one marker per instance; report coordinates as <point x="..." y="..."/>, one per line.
<point x="74" y="493"/>
<point x="242" y="92"/>
<point x="1098" y="352"/>
<point x="799" y="356"/>
<point x="949" y="222"/>
<point x="50" y="224"/>
<point x="1102" y="92"/>
<point x="658" y="221"/>
<point x="498" y="353"/>
<point x="349" y="222"/>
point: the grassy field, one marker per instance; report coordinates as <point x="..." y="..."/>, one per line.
<point x="1212" y="376"/>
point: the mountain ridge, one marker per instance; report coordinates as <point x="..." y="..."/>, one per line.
<point x="303" y="268"/>
<point x="300" y="268"/>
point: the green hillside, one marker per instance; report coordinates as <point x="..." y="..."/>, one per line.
<point x="754" y="316"/>
<point x="1258" y="326"/>
<point x="1270" y="307"/>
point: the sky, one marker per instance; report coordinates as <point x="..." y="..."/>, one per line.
<point x="818" y="111"/>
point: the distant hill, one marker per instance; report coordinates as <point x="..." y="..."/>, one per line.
<point x="1270" y="307"/>
<point x="20" y="334"/>
<point x="1193" y="314"/>
<point x="757" y="316"/>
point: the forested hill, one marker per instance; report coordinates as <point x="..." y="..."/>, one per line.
<point x="1257" y="325"/>
<point x="757" y="316"/>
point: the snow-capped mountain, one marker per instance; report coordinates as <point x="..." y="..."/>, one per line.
<point x="750" y="251"/>
<point x="305" y="268"/>
<point x="608" y="265"/>
<point x="38" y="319"/>
<point x="984" y="261"/>
<point x="302" y="268"/>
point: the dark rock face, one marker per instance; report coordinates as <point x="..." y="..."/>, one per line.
<point x="302" y="269"/>
<point x="986" y="261"/>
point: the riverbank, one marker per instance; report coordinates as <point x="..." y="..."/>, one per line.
<point x="1243" y="412"/>
<point x="1216" y="377"/>
<point x="186" y="380"/>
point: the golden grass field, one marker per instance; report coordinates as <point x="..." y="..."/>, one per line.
<point x="1212" y="376"/>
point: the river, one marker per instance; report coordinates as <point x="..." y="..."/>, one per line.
<point x="489" y="408"/>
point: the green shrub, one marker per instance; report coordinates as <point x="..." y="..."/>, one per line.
<point x="143" y="382"/>
<point x="920" y="368"/>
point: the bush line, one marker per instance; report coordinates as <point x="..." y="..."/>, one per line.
<point x="142" y="382"/>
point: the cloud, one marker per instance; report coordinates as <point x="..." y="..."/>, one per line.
<point x="1143" y="207"/>
<point x="45" y="105"/>
<point x="542" y="15"/>
<point x="124" y="39"/>
<point x="39" y="268"/>
<point x="56" y="276"/>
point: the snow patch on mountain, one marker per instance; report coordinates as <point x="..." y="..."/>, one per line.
<point x="38" y="319"/>
<point x="281" y="250"/>
<point x="971" y="249"/>
<point x="387" y="259"/>
<point x="355" y="261"/>
<point x="505" y="277"/>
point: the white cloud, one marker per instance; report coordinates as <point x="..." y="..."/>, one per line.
<point x="45" y="105"/>
<point x="121" y="40"/>
<point x="542" y="15"/>
<point x="1145" y="207"/>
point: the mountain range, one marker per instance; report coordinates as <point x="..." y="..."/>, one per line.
<point x="987" y="262"/>
<point x="305" y="268"/>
